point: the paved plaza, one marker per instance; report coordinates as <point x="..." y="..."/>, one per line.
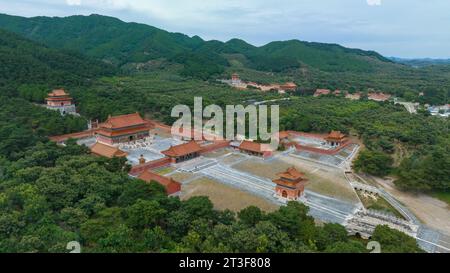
<point x="337" y="160"/>
<point x="150" y="149"/>
<point x="324" y="208"/>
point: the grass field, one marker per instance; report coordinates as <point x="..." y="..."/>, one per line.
<point x="225" y="197"/>
<point x="323" y="181"/>
<point x="378" y="203"/>
<point x="164" y="170"/>
<point x="443" y="196"/>
<point x="182" y="176"/>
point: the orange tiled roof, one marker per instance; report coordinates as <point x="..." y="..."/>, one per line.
<point x="379" y="96"/>
<point x="322" y="92"/>
<point x="111" y="133"/>
<point x="107" y="151"/>
<point x="283" y="134"/>
<point x="291" y="178"/>
<point x="123" y="121"/>
<point x="291" y="174"/>
<point x="183" y="149"/>
<point x="251" y="146"/>
<point x="335" y="135"/>
<point x="58" y="93"/>
<point x="289" y="85"/>
<point x="170" y="184"/>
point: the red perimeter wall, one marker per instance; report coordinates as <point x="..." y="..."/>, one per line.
<point x="136" y="170"/>
<point x="320" y="151"/>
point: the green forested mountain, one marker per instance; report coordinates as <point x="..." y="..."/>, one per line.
<point x="421" y="62"/>
<point x="119" y="42"/>
<point x="102" y="37"/>
<point x="310" y="65"/>
<point x="24" y="61"/>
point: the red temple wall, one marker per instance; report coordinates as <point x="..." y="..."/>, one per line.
<point x="320" y="151"/>
<point x="291" y="193"/>
<point x="105" y="140"/>
<point x="136" y="170"/>
<point x="215" y="146"/>
<point x="59" y="103"/>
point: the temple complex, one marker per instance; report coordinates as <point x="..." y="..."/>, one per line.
<point x="290" y="184"/>
<point x="125" y="128"/>
<point x="61" y="101"/>
<point x="336" y="138"/>
<point x="183" y="152"/>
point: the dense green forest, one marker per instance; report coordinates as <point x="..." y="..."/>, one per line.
<point x="53" y="195"/>
<point x="310" y="65"/>
<point x="24" y="61"/>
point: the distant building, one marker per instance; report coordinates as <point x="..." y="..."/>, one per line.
<point x="354" y="96"/>
<point x="289" y="86"/>
<point x="379" y="96"/>
<point x="104" y="150"/>
<point x="290" y="184"/>
<point x="61" y="101"/>
<point x="440" y="111"/>
<point x="320" y="92"/>
<point x="183" y="152"/>
<point x="235" y="80"/>
<point x="123" y="128"/>
<point x="336" y="138"/>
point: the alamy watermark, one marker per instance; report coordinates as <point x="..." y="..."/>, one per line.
<point x="236" y="120"/>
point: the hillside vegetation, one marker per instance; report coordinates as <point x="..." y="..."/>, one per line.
<point x="24" y="61"/>
<point x="310" y="65"/>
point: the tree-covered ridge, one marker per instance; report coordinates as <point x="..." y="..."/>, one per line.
<point x="111" y="39"/>
<point x="310" y="65"/>
<point x="24" y="61"/>
<point x="53" y="195"/>
<point x="22" y="124"/>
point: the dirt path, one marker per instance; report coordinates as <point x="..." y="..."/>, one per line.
<point x="433" y="212"/>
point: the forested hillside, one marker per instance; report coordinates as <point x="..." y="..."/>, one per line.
<point x="310" y="65"/>
<point x="24" y="61"/>
<point x="119" y="42"/>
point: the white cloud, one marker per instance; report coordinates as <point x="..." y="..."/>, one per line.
<point x="400" y="28"/>
<point x="73" y="2"/>
<point x="374" y="2"/>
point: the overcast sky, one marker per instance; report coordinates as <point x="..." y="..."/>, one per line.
<point x="401" y="28"/>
